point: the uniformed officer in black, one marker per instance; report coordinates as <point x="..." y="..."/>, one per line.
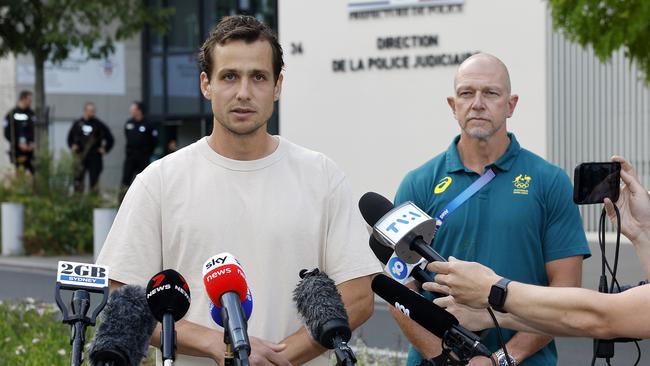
<point x="141" y="140"/>
<point x="19" y="131"/>
<point x="89" y="139"/>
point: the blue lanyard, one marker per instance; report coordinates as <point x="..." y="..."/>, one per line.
<point x="464" y="196"/>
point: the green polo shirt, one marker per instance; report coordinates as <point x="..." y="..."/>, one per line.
<point x="522" y="219"/>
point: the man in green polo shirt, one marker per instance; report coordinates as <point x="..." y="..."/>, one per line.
<point x="522" y="224"/>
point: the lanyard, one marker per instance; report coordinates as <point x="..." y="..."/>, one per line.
<point x="464" y="196"/>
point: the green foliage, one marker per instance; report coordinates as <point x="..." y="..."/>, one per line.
<point x="374" y="357"/>
<point x="32" y="334"/>
<point x="52" y="28"/>
<point x="607" y="25"/>
<point x="57" y="220"/>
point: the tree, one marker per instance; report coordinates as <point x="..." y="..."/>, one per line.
<point x="607" y="25"/>
<point x="50" y="29"/>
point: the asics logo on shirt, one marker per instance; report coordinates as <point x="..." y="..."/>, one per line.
<point x="442" y="185"/>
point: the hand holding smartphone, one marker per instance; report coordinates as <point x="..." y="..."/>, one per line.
<point x="592" y="182"/>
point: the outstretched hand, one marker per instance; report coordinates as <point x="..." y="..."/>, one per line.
<point x="633" y="204"/>
<point x="468" y="282"/>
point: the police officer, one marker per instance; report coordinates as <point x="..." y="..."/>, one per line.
<point x="141" y="140"/>
<point x="19" y="131"/>
<point x="89" y="139"/>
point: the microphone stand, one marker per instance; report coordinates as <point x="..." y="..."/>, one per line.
<point x="168" y="340"/>
<point x="80" y="304"/>
<point x="78" y="320"/>
<point x="229" y="353"/>
<point x="343" y="352"/>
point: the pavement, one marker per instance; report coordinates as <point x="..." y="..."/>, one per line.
<point x="39" y="263"/>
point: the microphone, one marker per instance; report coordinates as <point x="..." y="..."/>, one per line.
<point x="319" y="304"/>
<point x="225" y="283"/>
<point x="464" y="343"/>
<point x="82" y="279"/>
<point x="405" y="228"/>
<point x="398" y="269"/>
<point x="122" y="338"/>
<point x="168" y="297"/>
<point x="247" y="308"/>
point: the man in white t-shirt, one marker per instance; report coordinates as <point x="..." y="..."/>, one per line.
<point x="276" y="206"/>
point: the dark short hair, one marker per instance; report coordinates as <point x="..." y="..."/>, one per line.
<point x="239" y="27"/>
<point x="140" y="106"/>
<point x="24" y="94"/>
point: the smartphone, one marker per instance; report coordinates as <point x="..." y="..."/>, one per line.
<point x="592" y="182"/>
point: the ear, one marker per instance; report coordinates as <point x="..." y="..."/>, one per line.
<point x="452" y="104"/>
<point x="512" y="103"/>
<point x="206" y="89"/>
<point x="277" y="89"/>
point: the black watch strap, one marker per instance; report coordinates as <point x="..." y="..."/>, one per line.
<point x="498" y="292"/>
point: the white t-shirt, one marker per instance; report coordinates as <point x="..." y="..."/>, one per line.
<point x="287" y="211"/>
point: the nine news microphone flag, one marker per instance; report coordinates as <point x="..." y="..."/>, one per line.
<point x="82" y="279"/>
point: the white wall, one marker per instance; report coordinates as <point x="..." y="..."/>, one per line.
<point x="377" y="125"/>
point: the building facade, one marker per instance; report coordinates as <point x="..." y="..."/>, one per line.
<point x="366" y="83"/>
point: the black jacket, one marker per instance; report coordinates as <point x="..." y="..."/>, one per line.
<point x="141" y="137"/>
<point x="89" y="136"/>
<point x="22" y="122"/>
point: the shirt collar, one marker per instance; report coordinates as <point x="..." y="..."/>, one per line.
<point x="504" y="163"/>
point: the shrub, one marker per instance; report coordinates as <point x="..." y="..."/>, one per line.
<point x="57" y="220"/>
<point x="32" y="334"/>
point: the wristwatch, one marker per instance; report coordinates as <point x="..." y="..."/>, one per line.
<point x="501" y="359"/>
<point x="498" y="294"/>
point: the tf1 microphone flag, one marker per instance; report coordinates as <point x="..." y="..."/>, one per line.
<point x="122" y="338"/>
<point x="405" y="228"/>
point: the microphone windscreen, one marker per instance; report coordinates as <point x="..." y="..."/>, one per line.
<point x="168" y="292"/>
<point x="321" y="308"/>
<point x="246" y="306"/>
<point x="373" y="207"/>
<point x="424" y="312"/>
<point x="382" y="252"/>
<point x="222" y="273"/>
<point x="125" y="328"/>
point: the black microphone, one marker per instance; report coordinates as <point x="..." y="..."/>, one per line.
<point x="383" y="253"/>
<point x="122" y="338"/>
<point x="404" y="228"/>
<point x="464" y="343"/>
<point x="321" y="308"/>
<point x="168" y="296"/>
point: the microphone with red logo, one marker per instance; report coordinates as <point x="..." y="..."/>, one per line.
<point x="226" y="286"/>
<point x="168" y="296"/>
